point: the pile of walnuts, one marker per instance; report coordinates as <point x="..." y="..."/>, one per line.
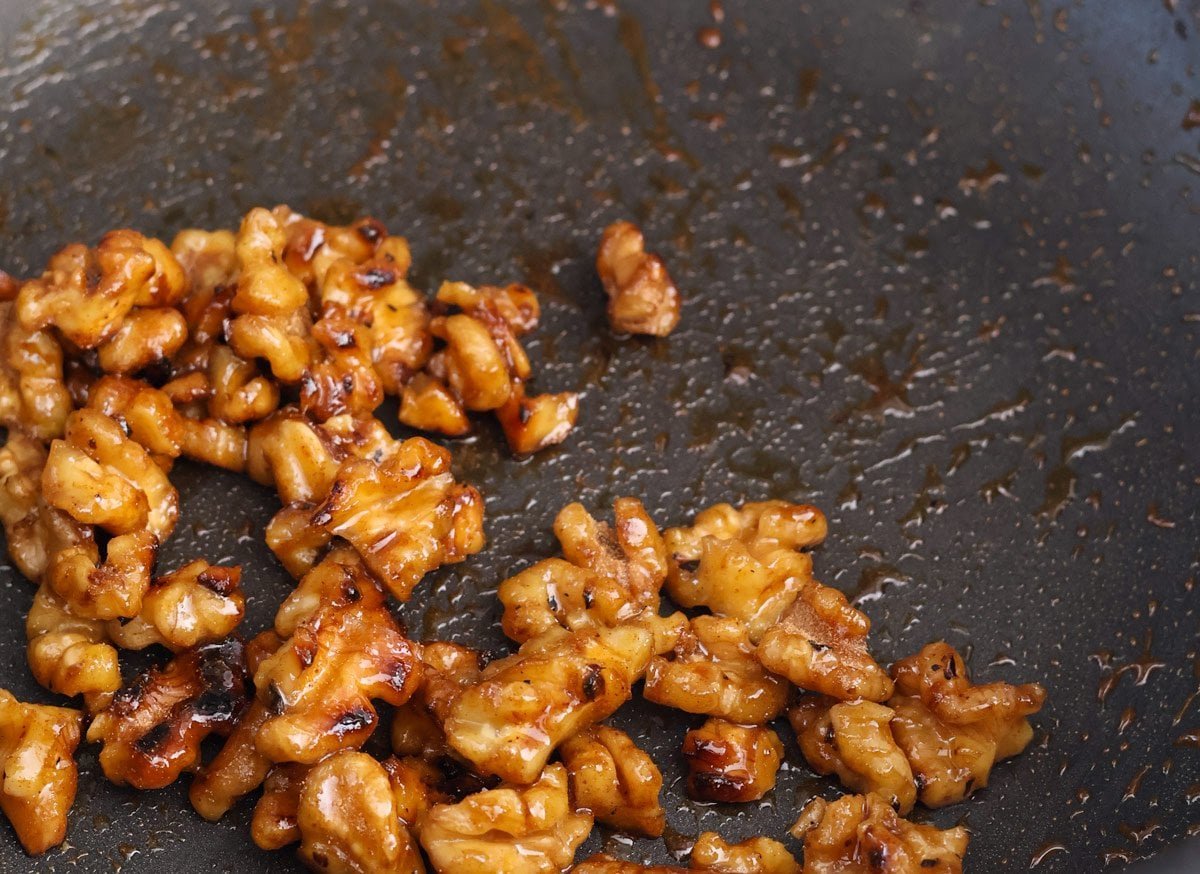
<point x="269" y="351"/>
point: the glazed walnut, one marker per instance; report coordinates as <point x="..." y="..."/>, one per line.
<point x="341" y="378"/>
<point x="731" y="763"/>
<point x="145" y="413"/>
<point x="759" y="855"/>
<point x="863" y="834"/>
<point x="296" y="542"/>
<point x="111" y="588"/>
<point x="37" y="760"/>
<point x="198" y="603"/>
<point x="712" y="671"/>
<point x="240" y="393"/>
<point x="33" y="395"/>
<point x="312" y="248"/>
<point x="428" y="405"/>
<point x="152" y="730"/>
<point x="405" y="513"/>
<point x="746" y="561"/>
<point x="853" y="739"/>
<point x="615" y="780"/>
<point x="510" y="720"/>
<point x="276" y="815"/>
<point x="951" y="731"/>
<point x="530" y="424"/>
<point x="69" y="654"/>
<point x="529" y="830"/>
<point x="208" y="258"/>
<point x="147" y="336"/>
<point x="642" y="299"/>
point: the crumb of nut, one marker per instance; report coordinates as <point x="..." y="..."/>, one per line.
<point x="614" y="779"/>
<point x="864" y="833"/>
<point x="37" y="758"/>
<point x="731" y="763"/>
<point x="198" y="603"/>
<point x="760" y="855"/>
<point x="642" y="299"/>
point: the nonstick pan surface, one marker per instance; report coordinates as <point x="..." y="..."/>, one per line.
<point x="940" y="268"/>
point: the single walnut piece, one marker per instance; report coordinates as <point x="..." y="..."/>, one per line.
<point x="853" y="739"/>
<point x="862" y="834"/>
<point x="152" y="730"/>
<point x="33" y="395"/>
<point x="275" y="822"/>
<point x="145" y="413"/>
<point x="642" y="299"/>
<point x="953" y="732"/>
<point x="712" y="671"/>
<point x="530" y="424"/>
<point x="529" y="830"/>
<point x="731" y="763"/>
<point x="341" y="378"/>
<point x="208" y="258"/>
<point x="746" y="561"/>
<point x="37" y="760"/>
<point x="312" y="247"/>
<point x="198" y="603"/>
<point x="69" y="654"/>
<point x="338" y="578"/>
<point x="296" y="542"/>
<point x="510" y="720"/>
<point x="753" y="856"/>
<point x="614" y="779"/>
<point x="427" y="404"/>
<point x="348" y="821"/>
<point x="147" y="336"/>
<point x="108" y="589"/>
<point x="405" y="514"/>
<point x="240" y="393"/>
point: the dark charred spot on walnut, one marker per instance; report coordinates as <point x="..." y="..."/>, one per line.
<point x="589" y="596"/>
<point x="352" y="721"/>
<point x="929" y="863"/>
<point x="524" y="414"/>
<point x="158" y="373"/>
<point x="215" y="705"/>
<point x="153" y="739"/>
<point x="375" y="278"/>
<point x="920" y="781"/>
<point x="276" y="703"/>
<point x="552" y="603"/>
<point x="348" y="383"/>
<point x="877" y="858"/>
<point x="951" y="669"/>
<point x="371" y="230"/>
<point x="716" y="786"/>
<point x="593" y="681"/>
<point x="458" y="782"/>
<point x="319" y="859"/>
<point x="830" y="734"/>
<point x="223" y="581"/>
<point x="817" y="646"/>
<point x="398" y="673"/>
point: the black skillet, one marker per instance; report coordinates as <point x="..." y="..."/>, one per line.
<point x="940" y="267"/>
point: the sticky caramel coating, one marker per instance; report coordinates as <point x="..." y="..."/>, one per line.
<point x="208" y="258"/>
<point x="67" y="653"/>
<point x="428" y="405"/>
<point x="275" y="822"/>
<point x="642" y="299"/>
<point x="405" y="513"/>
<point x="340" y="577"/>
<point x="520" y="830"/>
<point x="198" y="603"/>
<point x="820" y="644"/>
<point x="747" y="563"/>
<point x="862" y="834"/>
<point x="712" y="671"/>
<point x="760" y="855"/>
<point x="614" y="779"/>
<point x="312" y="247"/>
<point x="145" y="413"/>
<point x="853" y="739"/>
<point x="146" y="336"/>
<point x="152" y="730"/>
<point x="510" y="720"/>
<point x="731" y="763"/>
<point x="37" y="760"/>
<point x="33" y="394"/>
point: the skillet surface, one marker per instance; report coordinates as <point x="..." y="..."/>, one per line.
<point x="940" y="271"/>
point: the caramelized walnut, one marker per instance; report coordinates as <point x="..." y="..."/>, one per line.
<point x="67" y="653"/>
<point x="296" y="542"/>
<point x="428" y="405"/>
<point x="853" y="739"/>
<point x="275" y="822"/>
<point x="145" y="413"/>
<point x="642" y="299"/>
<point x="208" y="258"/>
<point x="759" y="855"/>
<point x="37" y="759"/>
<point x="239" y="392"/>
<point x="341" y="378"/>
<point x="615" y="780"/>
<point x="731" y="763"/>
<point x="152" y="730"/>
<point x="313" y="247"/>
<point x="33" y="395"/>
<point x="530" y="830"/>
<point x="712" y="671"/>
<point x="108" y="589"/>
<point x="862" y="834"/>
<point x="146" y="337"/>
<point x="530" y="424"/>
<point x="198" y="603"/>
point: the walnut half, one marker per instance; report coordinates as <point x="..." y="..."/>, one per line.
<point x="731" y="763"/>
<point x="642" y="299"/>
<point x="614" y="779"/>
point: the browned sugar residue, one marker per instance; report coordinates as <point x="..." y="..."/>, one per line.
<point x="1061" y="276"/>
<point x="1045" y="851"/>
<point x="634" y="41"/>
<point x="1190" y="739"/>
<point x="716" y="10"/>
<point x="981" y="181"/>
<point x="1141" y="669"/>
<point x="1157" y="520"/>
<point x="1192" y="119"/>
<point x="378" y="150"/>
<point x="1135" y="783"/>
<point x="1128" y="715"/>
<point x="875" y="580"/>
<point x="709" y="37"/>
<point x="806" y="92"/>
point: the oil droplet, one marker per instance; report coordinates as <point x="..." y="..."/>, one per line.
<point x="709" y="37"/>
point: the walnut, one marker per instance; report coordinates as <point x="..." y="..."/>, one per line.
<point x="428" y="405"/>
<point x="642" y="299"/>
<point x="509" y="721"/>
<point x="152" y="730"/>
<point x="275" y="823"/>
<point x="530" y="424"/>
<point x="9" y="286"/>
<point x="951" y="731"/>
<point x="145" y="413"/>
<point x="313" y="247"/>
<point x="348" y="821"/>
<point x="320" y="684"/>
<point x="603" y="864"/>
<point x="101" y="477"/>
<point x="108" y="589"/>
<point x="450" y="669"/>
<point x="731" y="763"/>
<point x="198" y="603"/>
<point x="339" y="577"/>
<point x="518" y="830"/>
<point x="746" y="561"/>
<point x="37" y="759"/>
<point x="405" y="513"/>
<point x="615" y="780"/>
<point x="296" y="542"/>
<point x="207" y="258"/>
<point x="239" y="392"/>
<point x="33" y="395"/>
<point x="147" y="336"/>
<point x="862" y="834"/>
<point x="341" y="378"/>
<point x="820" y="644"/>
<point x="712" y="671"/>
<point x="853" y="739"/>
<point x="67" y="653"/>
<point x="215" y="442"/>
<point x="759" y="855"/>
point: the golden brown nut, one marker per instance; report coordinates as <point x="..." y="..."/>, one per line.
<point x="37" y="759"/>
<point x="147" y="336"/>
<point x="531" y="830"/>
<point x="198" y="603"/>
<point x="169" y="284"/>
<point x="820" y="644"/>
<point x="862" y="834"/>
<point x="214" y="442"/>
<point x="509" y="721"/>
<point x="275" y="822"/>
<point x="9" y="286"/>
<point x="642" y="299"/>
<point x="339" y="577"/>
<point x="746" y="561"/>
<point x="152" y="730"/>
<point x="428" y="405"/>
<point x="951" y="731"/>
<point x="313" y="247"/>
<point x="348" y="821"/>
<point x="712" y="671"/>
<point x="759" y="855"/>
<point x="320" y="684"/>
<point x="33" y="395"/>
<point x="853" y="739"/>
<point x="207" y="258"/>
<point x="341" y="378"/>
<point x="615" y="780"/>
<point x="415" y="732"/>
<point x="101" y="477"/>
<point x="68" y="654"/>
<point x="531" y="424"/>
<point x="296" y="542"/>
<point x="602" y="864"/>
<point x="420" y="783"/>
<point x="405" y="513"/>
<point x="731" y="763"/>
<point x="108" y="589"/>
<point x="145" y="413"/>
<point x="450" y="670"/>
<point x="239" y="392"/>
